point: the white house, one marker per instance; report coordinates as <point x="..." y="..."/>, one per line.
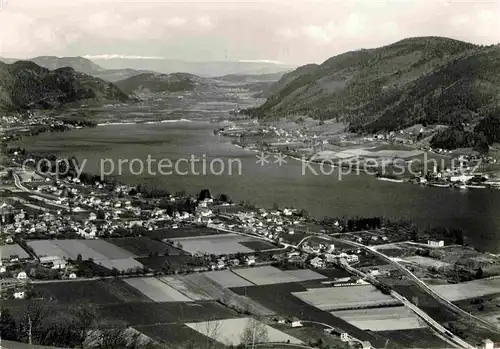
<point x="59" y="264"/>
<point x="366" y="345"/>
<point x="49" y="259"/>
<point x="19" y="295"/>
<point x="344" y="337"/>
<point x="433" y="243"/>
<point x="296" y="323"/>
<point x="72" y="276"/>
<point x="22" y="276"/>
<point x="489" y="344"/>
<point x="317" y="262"/>
<point x="250" y="260"/>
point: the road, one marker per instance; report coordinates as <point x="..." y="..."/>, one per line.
<point x="19" y="184"/>
<point x="419" y="312"/>
<point x="425" y="287"/>
<point x="431" y="322"/>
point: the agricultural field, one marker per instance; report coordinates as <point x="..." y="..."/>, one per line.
<point x="381" y="319"/>
<point x="470" y="289"/>
<point x="168" y="262"/>
<point x="214" y="244"/>
<point x="349" y="297"/>
<point x="142" y="314"/>
<point x="370" y="260"/>
<point x="144" y="246"/>
<point x="6" y="251"/>
<point x="426" y="262"/>
<point x="424" y="301"/>
<point x="416" y="338"/>
<point x="311" y="335"/>
<point x="393" y="250"/>
<point x="169" y="233"/>
<point x="200" y="282"/>
<point x="189" y="289"/>
<point x="259" y="245"/>
<point x="487" y="307"/>
<point x="176" y="336"/>
<point x="334" y="273"/>
<point x="278" y="298"/>
<point x="112" y="291"/>
<point x="230" y="331"/>
<point x="70" y="249"/>
<point x="157" y="290"/>
<point x="305" y="274"/>
<point x="270" y="275"/>
<point x="123" y="264"/>
<point x="227" y="278"/>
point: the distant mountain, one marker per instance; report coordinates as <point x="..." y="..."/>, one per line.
<point x="425" y="80"/>
<point x="114" y="75"/>
<point x="24" y="84"/>
<point x="81" y="65"/>
<point x="204" y="69"/>
<point x="158" y="83"/>
<point x="249" y="78"/>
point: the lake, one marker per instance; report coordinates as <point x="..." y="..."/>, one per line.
<point x="287" y="186"/>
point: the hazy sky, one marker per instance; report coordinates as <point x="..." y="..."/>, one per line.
<point x="291" y="31"/>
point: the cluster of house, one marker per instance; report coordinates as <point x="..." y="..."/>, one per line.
<point x="433" y="243"/>
<point x="15" y="286"/>
<point x="269" y="224"/>
<point x="50" y="223"/>
<point x="19" y="121"/>
<point x="105" y="212"/>
<point x="224" y="262"/>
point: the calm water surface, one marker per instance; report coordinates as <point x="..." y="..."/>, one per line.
<point x="477" y="211"/>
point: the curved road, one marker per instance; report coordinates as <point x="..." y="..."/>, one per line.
<point x="424" y="286"/>
<point x="18" y="182"/>
<point x="419" y="312"/>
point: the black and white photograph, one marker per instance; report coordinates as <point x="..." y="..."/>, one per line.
<point x="249" y="174"/>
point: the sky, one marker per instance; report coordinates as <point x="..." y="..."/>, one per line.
<point x="290" y="31"/>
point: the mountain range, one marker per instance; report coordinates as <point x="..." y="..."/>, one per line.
<point x="156" y="83"/>
<point x="81" y="65"/>
<point x="422" y="80"/>
<point x="24" y="85"/>
<point x="428" y="80"/>
<point x="203" y="69"/>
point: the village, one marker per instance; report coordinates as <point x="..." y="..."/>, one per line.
<point x="60" y="233"/>
<point x="402" y="156"/>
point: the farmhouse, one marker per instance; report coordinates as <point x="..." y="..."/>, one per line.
<point x="489" y="344"/>
<point x="317" y="262"/>
<point x="433" y="243"/>
<point x="295" y="323"/>
<point x="351" y="282"/>
<point x="19" y="295"/>
<point x="250" y="260"/>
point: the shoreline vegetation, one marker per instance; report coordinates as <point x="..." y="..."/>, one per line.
<point x="476" y="182"/>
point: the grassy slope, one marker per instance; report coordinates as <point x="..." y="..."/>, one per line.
<point x="429" y="79"/>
